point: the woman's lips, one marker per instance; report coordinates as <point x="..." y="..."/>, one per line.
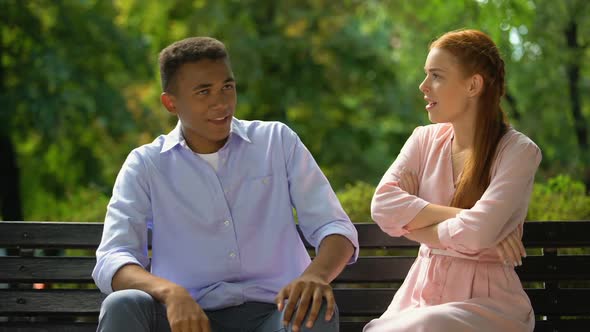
<point x="431" y="105"/>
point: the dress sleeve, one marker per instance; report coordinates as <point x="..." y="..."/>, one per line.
<point x="486" y="223"/>
<point x="391" y="207"/>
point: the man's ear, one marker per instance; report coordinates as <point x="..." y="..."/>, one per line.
<point x="475" y="87"/>
<point x="169" y="102"/>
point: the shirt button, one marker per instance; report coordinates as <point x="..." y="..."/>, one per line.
<point x="265" y="181"/>
<point x="226" y="223"/>
<point x="232" y="254"/>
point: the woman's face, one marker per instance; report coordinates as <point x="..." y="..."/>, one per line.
<point x="445" y="88"/>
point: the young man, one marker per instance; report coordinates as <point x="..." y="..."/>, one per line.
<point x="218" y="194"/>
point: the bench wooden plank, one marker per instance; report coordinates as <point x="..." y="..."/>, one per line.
<point x="535" y="268"/>
<point x="367" y="269"/>
<point x="345" y="326"/>
<point x="570" y="325"/>
<point x="351" y="302"/>
<point x="47" y="327"/>
<point x="354" y="302"/>
<point x="46" y="269"/>
<point x="51" y="301"/>
<point x="50" y="234"/>
<point x="557" y="234"/>
<point x="374" y="301"/>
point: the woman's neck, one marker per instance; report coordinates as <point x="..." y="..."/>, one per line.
<point x="464" y="133"/>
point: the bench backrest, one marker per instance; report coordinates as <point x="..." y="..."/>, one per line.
<point x="557" y="283"/>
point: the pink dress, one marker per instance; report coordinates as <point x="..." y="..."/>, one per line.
<point x="463" y="286"/>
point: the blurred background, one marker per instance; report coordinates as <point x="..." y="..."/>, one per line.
<point x="79" y="88"/>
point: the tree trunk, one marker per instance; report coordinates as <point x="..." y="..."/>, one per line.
<point x="10" y="198"/>
<point x="573" y="75"/>
<point x="513" y="106"/>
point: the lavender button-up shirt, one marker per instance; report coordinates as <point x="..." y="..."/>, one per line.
<point x="229" y="236"/>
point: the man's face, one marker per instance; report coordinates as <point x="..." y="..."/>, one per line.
<point x="204" y="99"/>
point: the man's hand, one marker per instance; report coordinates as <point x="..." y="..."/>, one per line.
<point x="511" y="249"/>
<point x="308" y="291"/>
<point x="184" y="314"/>
<point x="408" y="182"/>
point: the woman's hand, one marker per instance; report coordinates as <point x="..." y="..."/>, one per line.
<point x="511" y="250"/>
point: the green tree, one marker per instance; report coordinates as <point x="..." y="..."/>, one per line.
<point x="326" y="70"/>
<point x="63" y="72"/>
<point x="545" y="46"/>
<point x="80" y="85"/>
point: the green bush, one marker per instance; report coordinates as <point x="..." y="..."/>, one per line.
<point x="561" y="198"/>
<point x="84" y="205"/>
<point x="356" y="200"/>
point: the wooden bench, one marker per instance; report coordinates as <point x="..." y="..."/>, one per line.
<point x="557" y="284"/>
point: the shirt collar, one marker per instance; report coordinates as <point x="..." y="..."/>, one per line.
<point x="175" y="137"/>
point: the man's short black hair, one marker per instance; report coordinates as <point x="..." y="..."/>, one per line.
<point x="185" y="51"/>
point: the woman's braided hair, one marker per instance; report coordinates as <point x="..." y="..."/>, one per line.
<point x="476" y="53"/>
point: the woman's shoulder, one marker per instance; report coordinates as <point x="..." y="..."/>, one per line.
<point x="515" y="139"/>
<point x="435" y="132"/>
<point x="518" y="145"/>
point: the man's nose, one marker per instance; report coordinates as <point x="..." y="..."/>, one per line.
<point x="221" y="100"/>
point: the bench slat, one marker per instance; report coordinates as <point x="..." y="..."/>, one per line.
<point x="535" y="268"/>
<point x="556" y="234"/>
<point x="374" y="301"/>
<point x="48" y="327"/>
<point x="345" y="326"/>
<point x="52" y="301"/>
<point x="50" y="234"/>
<point x="367" y="269"/>
<point x="46" y="269"/>
<point x="351" y="302"/>
<point x="540" y="326"/>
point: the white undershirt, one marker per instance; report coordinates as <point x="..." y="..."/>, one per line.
<point x="211" y="158"/>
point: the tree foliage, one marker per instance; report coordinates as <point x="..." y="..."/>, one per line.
<point x="80" y="85"/>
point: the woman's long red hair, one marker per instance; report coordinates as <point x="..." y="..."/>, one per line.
<point x="477" y="54"/>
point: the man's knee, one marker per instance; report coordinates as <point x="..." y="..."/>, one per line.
<point x="321" y="324"/>
<point x="127" y="310"/>
<point x="332" y="325"/>
<point x="127" y="301"/>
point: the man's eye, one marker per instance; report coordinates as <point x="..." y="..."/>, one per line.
<point x="203" y="92"/>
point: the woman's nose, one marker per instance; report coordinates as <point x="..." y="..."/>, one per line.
<point x="423" y="86"/>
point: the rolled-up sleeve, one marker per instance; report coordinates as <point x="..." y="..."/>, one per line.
<point x="318" y="210"/>
<point x="124" y="237"/>
<point x="391" y="207"/>
<point x="485" y="224"/>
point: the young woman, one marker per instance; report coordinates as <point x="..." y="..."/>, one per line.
<point x="461" y="188"/>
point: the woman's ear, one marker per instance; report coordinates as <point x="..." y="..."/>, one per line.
<point x="475" y="87"/>
<point x="168" y="101"/>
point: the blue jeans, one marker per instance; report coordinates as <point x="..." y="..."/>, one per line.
<point x="135" y="310"/>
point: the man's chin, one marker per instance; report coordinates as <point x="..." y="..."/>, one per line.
<point x="222" y="138"/>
